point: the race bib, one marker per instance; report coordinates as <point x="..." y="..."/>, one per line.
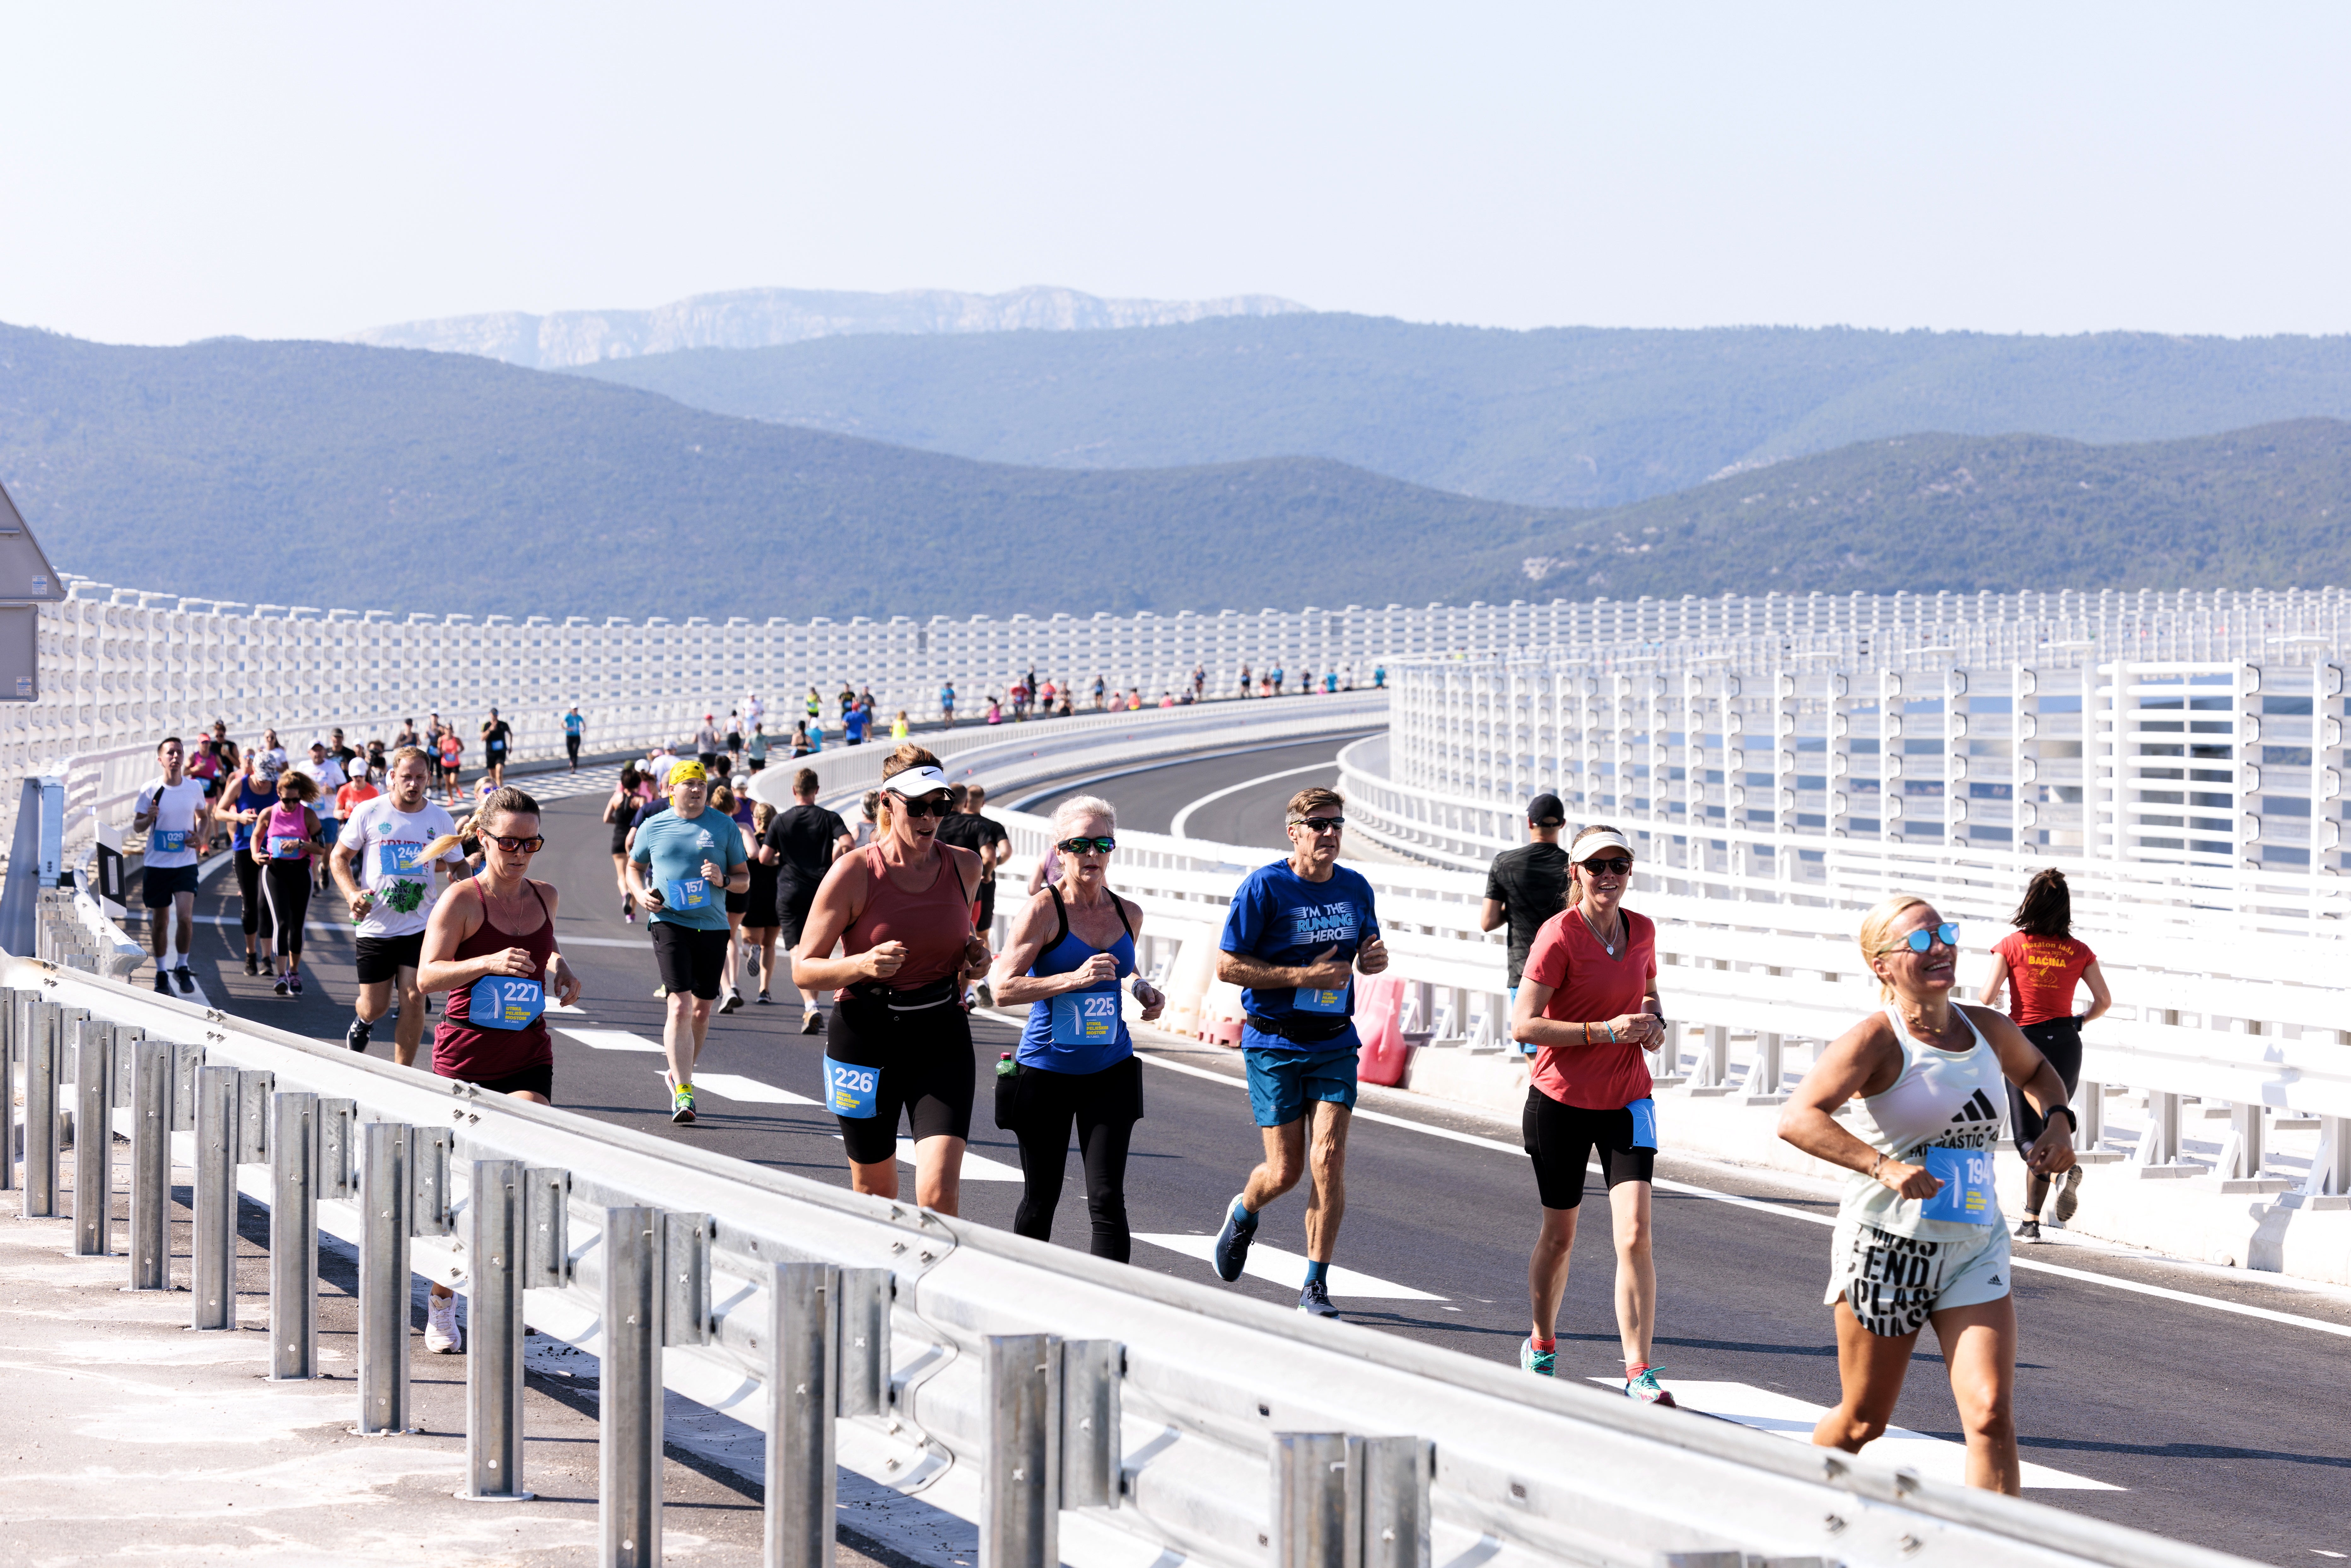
<point x="1644" y="1123"/>
<point x="1967" y="1195"/>
<point x="400" y="860"/>
<point x="1086" y="1018"/>
<point x="850" y="1091"/>
<point x="1309" y="1000"/>
<point x="690" y="893"/>
<point x="502" y="1001"/>
<point x="167" y="840"/>
<point x="283" y="847"/>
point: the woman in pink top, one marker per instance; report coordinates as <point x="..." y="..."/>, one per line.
<point x="900" y="1037"/>
<point x="287" y="839"/>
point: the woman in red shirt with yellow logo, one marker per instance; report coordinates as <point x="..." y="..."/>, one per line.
<point x="2045" y="962"/>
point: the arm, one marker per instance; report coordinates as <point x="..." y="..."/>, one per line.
<point x="2101" y="998"/>
<point x="1864" y="1060"/>
<point x="143" y="814"/>
<point x="344" y="864"/>
<point x="1491" y="914"/>
<point x="845" y="844"/>
<point x="1529" y="1027"/>
<point x="1998" y="982"/>
<point x="643" y="890"/>
<point x="1154" y="1001"/>
<point x="1327" y="971"/>
<point x="2022" y="1063"/>
<point x="839" y="900"/>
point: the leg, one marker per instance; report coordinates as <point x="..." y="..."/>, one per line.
<point x="1979" y="1347"/>
<point x="1637" y="1271"/>
<point x="409" y="1033"/>
<point x="1871" y="1368"/>
<point x="183" y="923"/>
<point x="1327" y="1206"/>
<point x="701" y="1028"/>
<point x="1044" y="1135"/>
<point x="1284" y="1162"/>
<point x="939" y="1173"/>
<point x="159" y="930"/>
<point x="1104" y="1130"/>
<point x="681" y="1043"/>
<point x="1547" y="1270"/>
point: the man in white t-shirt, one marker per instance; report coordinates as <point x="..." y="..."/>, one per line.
<point x="392" y="891"/>
<point x="326" y="770"/>
<point x="755" y="713"/>
<point x="175" y="815"/>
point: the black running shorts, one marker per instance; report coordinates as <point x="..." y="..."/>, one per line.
<point x="689" y="957"/>
<point x="381" y="958"/>
<point x="1561" y="1139"/>
<point x="793" y="903"/>
<point x="926" y="1072"/>
<point x="539" y="1080"/>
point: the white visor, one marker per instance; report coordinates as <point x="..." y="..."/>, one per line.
<point x="1594" y="844"/>
<point x="916" y="781"/>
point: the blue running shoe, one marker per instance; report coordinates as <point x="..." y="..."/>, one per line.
<point x="1641" y="1383"/>
<point x="1233" y="1241"/>
<point x="1314" y="1300"/>
<point x="1541" y="1362"/>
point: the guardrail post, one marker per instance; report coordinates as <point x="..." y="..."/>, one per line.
<point x="864" y="1360"/>
<point x="629" y="1447"/>
<point x="211" y="1264"/>
<point x="2159" y="1141"/>
<point x="804" y="1304"/>
<point x="151" y="1165"/>
<point x="1020" y="1506"/>
<point x="254" y="1088"/>
<point x="338" y="1148"/>
<point x="685" y="1279"/>
<point x="1309" y="1500"/>
<point x="2090" y="1105"/>
<point x="41" y="1038"/>
<point x="494" y="1333"/>
<point x="1387" y="1502"/>
<point x="13" y="1032"/>
<point x="1770" y="1070"/>
<point x="1713" y="1074"/>
<point x="547" y="1210"/>
<point x="385" y="1279"/>
<point x="1092" y="1454"/>
<point x="93" y="1138"/>
<point x="293" y="1236"/>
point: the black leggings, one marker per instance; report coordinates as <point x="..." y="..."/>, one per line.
<point x="2060" y="1040"/>
<point x="1106" y="1106"/>
<point x="249" y="883"/>
<point x="287" y="887"/>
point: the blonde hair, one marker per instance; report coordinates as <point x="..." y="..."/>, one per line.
<point x="907" y="755"/>
<point x="761" y="815"/>
<point x="1874" y="927"/>
<point x="1077" y="808"/>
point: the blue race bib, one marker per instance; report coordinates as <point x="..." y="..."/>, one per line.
<point x="285" y="848"/>
<point x="688" y="893"/>
<point x="850" y="1091"/>
<point x="1308" y="1001"/>
<point x="502" y="1002"/>
<point x="167" y="840"/>
<point x="1644" y="1123"/>
<point x="399" y="860"/>
<point x="1086" y="1018"/>
<point x="1967" y="1195"/>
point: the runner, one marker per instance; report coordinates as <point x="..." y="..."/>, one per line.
<point x="273" y="754"/>
<point x="815" y="708"/>
<point x="800" y="844"/>
<point x="761" y="918"/>
<point x="490" y="945"/>
<point x="755" y="712"/>
<point x="453" y="761"/>
<point x="679" y="863"/>
<point x="1294" y="932"/>
<point x="357" y="791"/>
<point x="1245" y="678"/>
<point x="575" y="730"/>
<point x="621" y="815"/>
<point x="1918" y="1237"/>
<point x="1588" y="1002"/>
<point x="800" y="746"/>
<point x="326" y="772"/>
<point x="899" y="1037"/>
<point x="1101" y="687"/>
<point x="707" y="742"/>
<point x="755" y="750"/>
<point x="251" y="793"/>
<point x="498" y="740"/>
<point x="379" y="869"/>
<point x="946" y="702"/>
<point x="2046" y="962"/>
<point x="408" y="736"/>
<point x="176" y="816"/>
<point x="869" y="820"/>
<point x="983" y="836"/>
<point x="1070" y="949"/>
<point x="901" y="727"/>
<point x="735" y="736"/>
<point x="725" y="802"/>
<point x="1526" y="886"/>
<point x="286" y="840"/>
<point x="375" y="763"/>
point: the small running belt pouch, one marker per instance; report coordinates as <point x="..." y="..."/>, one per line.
<point x="1086" y="1018"/>
<point x="1644" y="1123"/>
<point x="1308" y="1001"/>
<point x="167" y="840"/>
<point x="1967" y="1195"/>
<point x="502" y="1002"/>
<point x="393" y="859"/>
<point x="688" y="893"/>
<point x="850" y="1091"/>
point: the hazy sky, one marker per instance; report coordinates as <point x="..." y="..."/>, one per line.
<point x="169" y="173"/>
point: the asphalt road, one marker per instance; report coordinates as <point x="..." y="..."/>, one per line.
<point x="2219" y="1428"/>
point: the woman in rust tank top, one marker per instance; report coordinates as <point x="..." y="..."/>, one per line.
<point x="900" y="1039"/>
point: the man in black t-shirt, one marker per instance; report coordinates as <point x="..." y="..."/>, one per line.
<point x="1528" y="885"/>
<point x="802" y="844"/>
<point x="496" y="736"/>
<point x="985" y="837"/>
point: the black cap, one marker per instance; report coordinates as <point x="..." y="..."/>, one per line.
<point x="1545" y="811"/>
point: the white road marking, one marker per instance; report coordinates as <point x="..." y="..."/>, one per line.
<point x="735" y="1086"/>
<point x="604" y="942"/>
<point x="1760" y="1205"/>
<point x="976" y="1167"/>
<point x="1289" y="1269"/>
<point x="1783" y="1416"/>
<point x="612" y="1040"/>
<point x="1176" y="828"/>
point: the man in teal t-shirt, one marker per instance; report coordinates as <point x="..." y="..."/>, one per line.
<point x="685" y="861"/>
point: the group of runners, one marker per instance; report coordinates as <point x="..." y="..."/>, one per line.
<point x="885" y="929"/>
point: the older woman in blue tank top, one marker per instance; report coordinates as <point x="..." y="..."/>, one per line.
<point x="1919" y="1238"/>
<point x="1071" y="947"/>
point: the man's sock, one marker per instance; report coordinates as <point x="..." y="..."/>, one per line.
<point x="1315" y="1272"/>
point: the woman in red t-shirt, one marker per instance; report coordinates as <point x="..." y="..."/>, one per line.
<point x="2045" y="961"/>
<point x="1588" y="1002"/>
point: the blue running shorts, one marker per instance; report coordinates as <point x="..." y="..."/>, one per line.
<point x="1280" y="1083"/>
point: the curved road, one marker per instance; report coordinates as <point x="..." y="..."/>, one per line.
<point x="2164" y="1410"/>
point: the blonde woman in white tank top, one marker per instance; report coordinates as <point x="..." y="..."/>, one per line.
<point x="1919" y="1238"/>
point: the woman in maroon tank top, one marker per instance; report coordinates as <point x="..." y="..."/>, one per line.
<point x="900" y="1039"/>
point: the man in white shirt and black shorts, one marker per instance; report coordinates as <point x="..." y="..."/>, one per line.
<point x="392" y="892"/>
<point x="175" y="815"/>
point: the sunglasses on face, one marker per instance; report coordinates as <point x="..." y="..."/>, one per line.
<point x="1923" y="940"/>
<point x="1615" y="865"/>
<point x="529" y="846"/>
<point x="929" y="806"/>
<point x="1100" y="846"/>
<point x="1318" y="824"/>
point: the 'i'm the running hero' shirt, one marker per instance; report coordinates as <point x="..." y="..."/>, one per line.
<point x="1283" y="918"/>
<point x="386" y="842"/>
<point x="171" y="841"/>
<point x="672" y="848"/>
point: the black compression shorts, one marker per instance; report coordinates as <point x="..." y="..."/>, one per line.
<point x="793" y="903"/>
<point x="2060" y="1040"/>
<point x="926" y="1070"/>
<point x="1560" y="1139"/>
<point x="689" y="957"/>
<point x="381" y="958"/>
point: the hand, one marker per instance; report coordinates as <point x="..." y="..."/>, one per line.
<point x="1637" y="1029"/>
<point x="1910" y="1181"/>
<point x="2052" y="1153"/>
<point x="1371" y="956"/>
<point x="1326" y="972"/>
<point x="562" y="981"/>
<point x="1100" y="969"/>
<point x="651" y="897"/>
<point x="713" y="871"/>
<point x="977" y="954"/>
<point x="516" y="961"/>
<point x="361" y="902"/>
<point x="1154" y="1001"/>
<point x="883" y="960"/>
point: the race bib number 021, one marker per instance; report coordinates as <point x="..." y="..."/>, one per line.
<point x="1967" y="1195"/>
<point x="850" y="1091"/>
<point x="500" y="1001"/>
<point x="1086" y="1018"/>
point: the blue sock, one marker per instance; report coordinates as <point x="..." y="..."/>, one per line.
<point x="1314" y="1272"/>
<point x="1243" y="1213"/>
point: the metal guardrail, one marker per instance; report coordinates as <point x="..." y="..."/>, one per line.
<point x="1081" y="1411"/>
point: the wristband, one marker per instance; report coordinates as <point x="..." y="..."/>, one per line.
<point x="2066" y="1111"/>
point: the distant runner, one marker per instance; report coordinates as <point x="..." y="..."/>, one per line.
<point x="2046" y="961"/>
<point x="575" y="729"/>
<point x="985" y="837"/>
<point x="498" y="739"/>
<point x="1527" y="885"/>
<point x="802" y="844"/>
<point x="175" y="814"/>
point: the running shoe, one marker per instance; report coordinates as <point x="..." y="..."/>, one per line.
<point x="681" y="1105"/>
<point x="281" y="984"/>
<point x="764" y="999"/>
<point x="186" y="977"/>
<point x="733" y="999"/>
<point x="356" y="1036"/>
<point x="253" y="964"/>
<point x="1641" y="1383"/>
<point x="294" y="983"/>
<point x="1314" y="1300"/>
<point x="2028" y="1228"/>
<point x="441" y="1334"/>
<point x="163" y="984"/>
<point x="1541" y="1362"/>
<point x="2068" y="1195"/>
<point x="1231" y="1254"/>
<point x="813" y="1023"/>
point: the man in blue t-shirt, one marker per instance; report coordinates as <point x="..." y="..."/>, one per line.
<point x="1297" y="933"/>
<point x="575" y="727"/>
<point x="682" y="864"/>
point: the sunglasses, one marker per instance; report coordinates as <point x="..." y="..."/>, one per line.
<point x="1615" y="865"/>
<point x="929" y="806"/>
<point x="1318" y="824"/>
<point x="1100" y="846"/>
<point x="1923" y="940"/>
<point x="529" y="846"/>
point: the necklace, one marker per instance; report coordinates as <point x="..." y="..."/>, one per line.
<point x="1606" y="945"/>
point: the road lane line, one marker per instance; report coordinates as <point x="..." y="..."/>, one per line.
<point x="976" y="1167"/>
<point x="1277" y="1267"/>
<point x="1176" y="828"/>
<point x="735" y="1086"/>
<point x="612" y="1040"/>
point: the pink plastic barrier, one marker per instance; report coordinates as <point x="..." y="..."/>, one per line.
<point x="1379" y="1021"/>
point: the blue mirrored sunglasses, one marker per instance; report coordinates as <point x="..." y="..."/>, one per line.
<point x="1924" y="939"/>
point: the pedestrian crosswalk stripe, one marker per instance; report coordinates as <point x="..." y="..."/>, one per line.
<point x="735" y="1086"/>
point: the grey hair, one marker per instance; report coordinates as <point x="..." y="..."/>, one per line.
<point x="1069" y="812"/>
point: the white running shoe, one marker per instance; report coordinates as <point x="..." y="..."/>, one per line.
<point x="441" y="1334"/>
